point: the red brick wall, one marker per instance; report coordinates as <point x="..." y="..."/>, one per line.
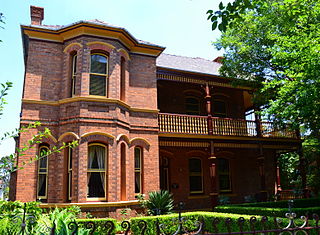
<point x="245" y="178"/>
<point x="48" y="78"/>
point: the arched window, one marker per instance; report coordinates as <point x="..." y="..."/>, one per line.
<point x="123" y="171"/>
<point x="219" y="108"/>
<point x="224" y="175"/>
<point x="195" y="175"/>
<point x="69" y="168"/>
<point x="98" y="74"/>
<point x="123" y="79"/>
<point x="73" y="74"/>
<point x="97" y="162"/>
<point x="138" y="166"/>
<point x="192" y="105"/>
<point x="42" y="186"/>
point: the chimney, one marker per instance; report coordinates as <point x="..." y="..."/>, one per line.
<point x="36" y="14"/>
<point x="218" y="59"/>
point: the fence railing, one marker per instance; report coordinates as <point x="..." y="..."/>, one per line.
<point x="202" y="125"/>
<point x="230" y="226"/>
<point x="290" y="194"/>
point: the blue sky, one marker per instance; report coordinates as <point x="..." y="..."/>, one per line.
<point x="179" y="25"/>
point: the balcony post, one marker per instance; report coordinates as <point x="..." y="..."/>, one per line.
<point x="257" y="121"/>
<point x="278" y="173"/>
<point x="302" y="167"/>
<point x="208" y="107"/>
<point x="213" y="176"/>
<point x="261" y="165"/>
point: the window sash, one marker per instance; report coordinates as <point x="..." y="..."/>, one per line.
<point x="98" y="79"/>
<point x="224" y="175"/>
<point x="42" y="173"/>
<point x="137" y="170"/>
<point x="99" y="192"/>
<point x="195" y="177"/>
<point x="73" y="74"/>
<point x="70" y="173"/>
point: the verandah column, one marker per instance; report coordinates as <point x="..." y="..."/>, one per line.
<point x="261" y="165"/>
<point x="257" y="118"/>
<point x="208" y="108"/>
<point x="213" y="176"/>
<point x="278" y="173"/>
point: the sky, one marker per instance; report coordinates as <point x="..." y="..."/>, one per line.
<point x="179" y="25"/>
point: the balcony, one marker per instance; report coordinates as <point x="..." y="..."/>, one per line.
<point x="201" y="125"/>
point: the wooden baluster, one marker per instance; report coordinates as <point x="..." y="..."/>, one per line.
<point x="172" y="121"/>
<point x="183" y="124"/>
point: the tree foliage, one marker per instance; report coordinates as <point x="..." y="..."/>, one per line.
<point x="8" y="164"/>
<point x="275" y="43"/>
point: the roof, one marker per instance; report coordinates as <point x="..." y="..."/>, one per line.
<point x="95" y="22"/>
<point x="191" y="64"/>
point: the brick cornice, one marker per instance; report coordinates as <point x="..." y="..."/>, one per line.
<point x="89" y="99"/>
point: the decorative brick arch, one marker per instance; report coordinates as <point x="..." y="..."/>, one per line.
<point x="97" y="137"/>
<point x="75" y="46"/>
<point x="103" y="46"/>
<point x="68" y="137"/>
<point x="124" y="53"/>
<point x="124" y="138"/>
<point x="49" y="139"/>
<point x="140" y="142"/>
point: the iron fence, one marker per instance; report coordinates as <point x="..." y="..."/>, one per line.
<point x="230" y="226"/>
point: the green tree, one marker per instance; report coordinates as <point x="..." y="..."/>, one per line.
<point x="8" y="163"/>
<point x="276" y="44"/>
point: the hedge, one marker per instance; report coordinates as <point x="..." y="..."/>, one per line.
<point x="274" y="212"/>
<point x="192" y="217"/>
<point x="297" y="203"/>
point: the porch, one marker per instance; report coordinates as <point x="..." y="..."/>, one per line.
<point x="208" y="125"/>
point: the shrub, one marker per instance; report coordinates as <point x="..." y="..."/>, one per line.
<point x="274" y="212"/>
<point x="159" y="203"/>
<point x="190" y="222"/>
<point x="297" y="203"/>
<point x="13" y="208"/>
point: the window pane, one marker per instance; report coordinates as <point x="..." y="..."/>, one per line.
<point x="96" y="158"/>
<point x="43" y="163"/>
<point x="74" y="64"/>
<point x="194" y="165"/>
<point x="224" y="182"/>
<point x="70" y="185"/>
<point x="97" y="85"/>
<point x="98" y="64"/>
<point x="223" y="165"/>
<point x="195" y="183"/>
<point x="96" y="182"/>
<point x="137" y="158"/>
<point x="137" y="179"/>
<point x="42" y="185"/>
<point x="192" y="106"/>
<point x="70" y="157"/>
<point x="219" y="108"/>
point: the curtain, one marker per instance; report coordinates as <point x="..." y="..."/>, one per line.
<point x="100" y="153"/>
<point x="90" y="160"/>
<point x="42" y="181"/>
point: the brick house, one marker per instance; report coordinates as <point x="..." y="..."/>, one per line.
<point x="144" y="120"/>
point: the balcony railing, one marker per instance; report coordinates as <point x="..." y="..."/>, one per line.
<point x="200" y="125"/>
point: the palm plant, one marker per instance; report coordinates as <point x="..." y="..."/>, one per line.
<point x="159" y="202"/>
